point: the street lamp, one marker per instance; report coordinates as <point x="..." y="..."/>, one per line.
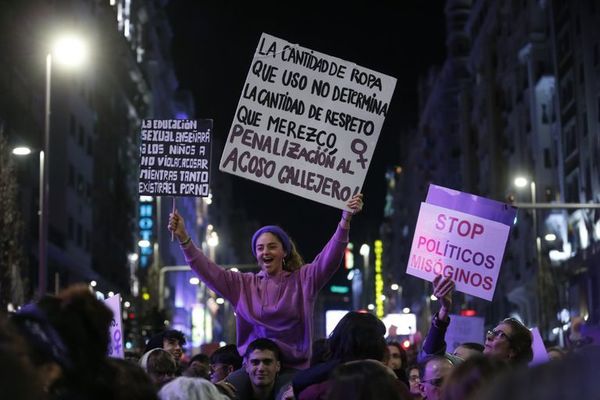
<point x="522" y="182"/>
<point x="70" y="51"/>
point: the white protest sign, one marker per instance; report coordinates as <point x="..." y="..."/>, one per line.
<point x="175" y="157"/>
<point x="115" y="347"/>
<point x="463" y="330"/>
<point x="465" y="247"/>
<point x="307" y="123"/>
<point x="540" y="354"/>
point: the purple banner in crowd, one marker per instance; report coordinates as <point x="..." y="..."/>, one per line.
<point x="471" y="204"/>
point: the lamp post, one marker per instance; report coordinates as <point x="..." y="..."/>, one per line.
<point x="522" y="182"/>
<point x="69" y="51"/>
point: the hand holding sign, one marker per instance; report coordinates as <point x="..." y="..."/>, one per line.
<point x="177" y="227"/>
<point x="354" y="205"/>
<point x="443" y="289"/>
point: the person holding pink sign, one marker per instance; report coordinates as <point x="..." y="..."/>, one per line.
<point x="510" y="340"/>
<point x="278" y="302"/>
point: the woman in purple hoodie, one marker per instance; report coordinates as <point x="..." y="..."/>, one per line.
<point x="278" y="302"/>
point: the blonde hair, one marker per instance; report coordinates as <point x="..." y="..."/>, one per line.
<point x="293" y="261"/>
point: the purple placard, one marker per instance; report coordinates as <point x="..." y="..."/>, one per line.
<point x="471" y="204"/>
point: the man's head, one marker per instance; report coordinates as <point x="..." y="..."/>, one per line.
<point x="262" y="361"/>
<point x="224" y="361"/>
<point x="169" y="340"/>
<point x="468" y="350"/>
<point x="198" y="367"/>
<point x="435" y="370"/>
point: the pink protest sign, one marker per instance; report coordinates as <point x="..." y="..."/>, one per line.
<point x="462" y="246"/>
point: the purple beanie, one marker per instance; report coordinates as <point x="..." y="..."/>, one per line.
<point x="277" y="231"/>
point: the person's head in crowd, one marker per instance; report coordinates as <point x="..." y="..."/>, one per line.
<point x="262" y="361"/>
<point x="198" y="367"/>
<point x="574" y="377"/>
<point x="435" y="369"/>
<point x="397" y="359"/>
<point x="365" y="380"/>
<point x="188" y="388"/>
<point x="468" y="377"/>
<point x="69" y="337"/>
<point x="468" y="350"/>
<point x="414" y="380"/>
<point x="170" y="340"/>
<point x="131" y="381"/>
<point x="223" y="362"/>
<point x="510" y="340"/>
<point x="358" y="336"/>
<point x="160" y="366"/>
<point x="320" y="351"/>
<point x="275" y="251"/>
<point x="556" y="353"/>
<point x="18" y="378"/>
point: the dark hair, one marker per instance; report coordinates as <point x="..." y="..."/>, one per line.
<point x="161" y="362"/>
<point x="263" y="344"/>
<point x="574" y="377"/>
<point x="364" y="380"/>
<point x="320" y="351"/>
<point x="18" y="379"/>
<point x="403" y="357"/>
<point x="358" y="336"/>
<point x="81" y="322"/>
<point x="467" y="377"/>
<point x="520" y="341"/>
<point x="201" y="358"/>
<point x="473" y="346"/>
<point x="228" y="355"/>
<point x="131" y="382"/>
<point x="157" y="340"/>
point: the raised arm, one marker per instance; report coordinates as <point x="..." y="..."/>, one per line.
<point x="435" y="341"/>
<point x="226" y="283"/>
<point x="317" y="273"/>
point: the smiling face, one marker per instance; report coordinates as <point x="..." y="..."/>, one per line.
<point x="497" y="342"/>
<point x="269" y="253"/>
<point x="262" y="368"/>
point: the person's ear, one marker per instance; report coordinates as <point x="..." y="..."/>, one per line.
<point x="229" y="369"/>
<point x="278" y="365"/>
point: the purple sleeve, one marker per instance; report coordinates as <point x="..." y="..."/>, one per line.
<point x="225" y="283"/>
<point x="316" y="274"/>
<point x="435" y="341"/>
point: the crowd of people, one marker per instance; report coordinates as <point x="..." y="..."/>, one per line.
<point x="56" y="348"/>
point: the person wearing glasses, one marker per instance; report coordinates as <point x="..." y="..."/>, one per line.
<point x="510" y="340"/>
<point x="435" y="370"/>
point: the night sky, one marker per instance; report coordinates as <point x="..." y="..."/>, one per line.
<point x="213" y="48"/>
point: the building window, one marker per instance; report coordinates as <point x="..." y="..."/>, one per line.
<point x="547" y="158"/>
<point x="80" y="184"/>
<point x="88" y="241"/>
<point x="81" y="136"/>
<point x="72" y="126"/>
<point x="71" y="176"/>
<point x="79" y="237"/>
<point x="89" y="145"/>
<point x="70" y="230"/>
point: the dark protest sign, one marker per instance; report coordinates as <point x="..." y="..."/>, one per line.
<point x="306" y="122"/>
<point x="175" y="157"/>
